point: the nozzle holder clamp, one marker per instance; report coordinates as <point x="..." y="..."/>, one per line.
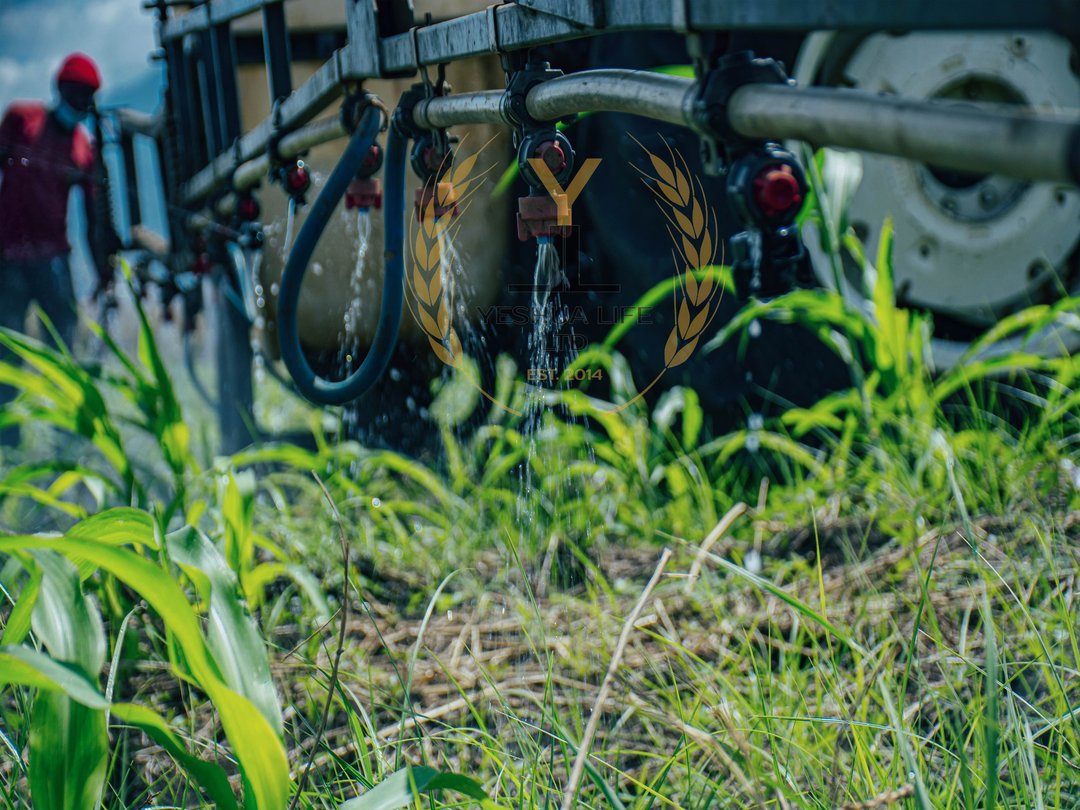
<point x="711" y="107"/>
<point x="290" y="173"/>
<point x="521" y="81"/>
<point x="766" y="185"/>
<point x="550" y="146"/>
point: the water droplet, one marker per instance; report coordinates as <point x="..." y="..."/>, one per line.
<point x="376" y="502"/>
<point x="753" y="443"/>
<point x="753" y="561"/>
<point x="317" y="269"/>
<point x="395" y="375"/>
<point x="273" y="289"/>
<point x="754" y="329"/>
<point x="756" y="421"/>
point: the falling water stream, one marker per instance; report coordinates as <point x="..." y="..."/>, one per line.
<point x="546" y="309"/>
<point x="551" y="349"/>
<point x="289" y="223"/>
<point x="361" y="289"/>
<point x="352" y="312"/>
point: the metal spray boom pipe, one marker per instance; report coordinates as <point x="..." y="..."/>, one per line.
<point x="991" y="139"/>
<point x="987" y="139"/>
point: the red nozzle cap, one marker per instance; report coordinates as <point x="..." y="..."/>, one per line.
<point x="201" y="265"/>
<point x="364" y="193"/>
<point x="776" y="191"/>
<point x="80" y="69"/>
<point x="538" y="215"/>
<point x="374" y="157"/>
<point x="553" y="156"/>
<point x="298" y="179"/>
<point x="248" y="209"/>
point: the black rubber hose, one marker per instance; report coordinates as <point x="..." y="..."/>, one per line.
<point x="315" y="388"/>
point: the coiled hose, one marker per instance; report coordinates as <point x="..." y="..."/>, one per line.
<point x="315" y="388"/>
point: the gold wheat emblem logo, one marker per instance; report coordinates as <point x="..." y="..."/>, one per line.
<point x="431" y="290"/>
<point x="692" y="227"/>
<point x="691" y="224"/>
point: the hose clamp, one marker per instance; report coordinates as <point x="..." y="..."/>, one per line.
<point x="356" y="104"/>
<point x="709" y="110"/>
<point x="521" y="81"/>
<point x="732" y="72"/>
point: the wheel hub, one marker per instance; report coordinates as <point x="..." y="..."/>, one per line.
<point x="969" y="247"/>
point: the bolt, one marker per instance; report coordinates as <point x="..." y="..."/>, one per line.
<point x="950" y="204"/>
<point x="988" y="198"/>
<point x="1018" y="45"/>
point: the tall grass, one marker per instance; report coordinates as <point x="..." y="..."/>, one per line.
<point x="890" y="618"/>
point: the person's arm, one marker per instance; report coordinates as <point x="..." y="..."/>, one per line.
<point x="8" y="127"/>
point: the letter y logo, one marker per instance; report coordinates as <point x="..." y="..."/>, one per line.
<point x="564" y="200"/>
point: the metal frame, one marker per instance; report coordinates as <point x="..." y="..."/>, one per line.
<point x="560" y="19"/>
<point x="277" y="52"/>
<point x="206" y="156"/>
<point x="201" y="57"/>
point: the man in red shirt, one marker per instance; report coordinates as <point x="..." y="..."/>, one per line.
<point x="44" y="152"/>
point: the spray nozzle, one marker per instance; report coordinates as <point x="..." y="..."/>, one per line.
<point x="546" y="161"/>
<point x="247" y="208"/>
<point x="295" y="179"/>
<point x="543" y="216"/>
<point x="436" y="199"/>
<point x="365" y="191"/>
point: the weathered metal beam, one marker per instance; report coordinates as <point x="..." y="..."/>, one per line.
<point x="534" y="22"/>
<point x="313" y="96"/>
<point x="583" y="12"/>
<point x="209" y="14"/>
<point x="361" y="59"/>
<point x="223" y="52"/>
<point x="276" y="51"/>
<point x="516" y="26"/>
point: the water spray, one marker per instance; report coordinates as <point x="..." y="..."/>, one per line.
<point x="318" y="389"/>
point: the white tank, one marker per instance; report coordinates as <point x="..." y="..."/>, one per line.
<point x="330" y="288"/>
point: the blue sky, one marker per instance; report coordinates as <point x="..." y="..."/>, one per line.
<point x="35" y="35"/>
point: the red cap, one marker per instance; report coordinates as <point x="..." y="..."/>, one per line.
<point x="80" y="68"/>
<point x="776" y="191"/>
